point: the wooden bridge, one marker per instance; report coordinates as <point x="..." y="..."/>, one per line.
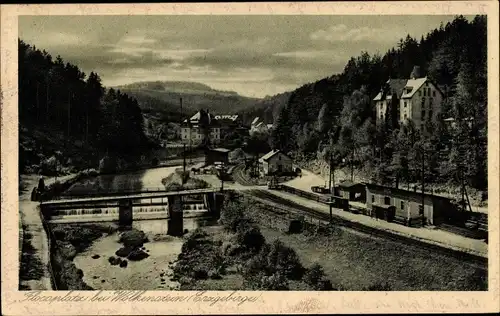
<point x="174" y="200"/>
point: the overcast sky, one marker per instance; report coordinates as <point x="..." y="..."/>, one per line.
<point x="252" y="55"/>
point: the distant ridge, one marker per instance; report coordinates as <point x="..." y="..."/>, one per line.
<point x="176" y="87"/>
<point x="164" y="96"/>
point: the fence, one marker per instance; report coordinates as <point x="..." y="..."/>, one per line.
<point x="307" y="195"/>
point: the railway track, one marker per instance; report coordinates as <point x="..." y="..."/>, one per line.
<point x="416" y="245"/>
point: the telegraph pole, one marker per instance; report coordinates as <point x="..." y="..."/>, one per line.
<point x="184" y="144"/>
<point x="423" y="182"/>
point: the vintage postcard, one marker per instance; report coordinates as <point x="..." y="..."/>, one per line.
<point x="335" y="157"/>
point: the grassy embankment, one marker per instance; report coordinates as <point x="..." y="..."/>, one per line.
<point x="239" y="257"/>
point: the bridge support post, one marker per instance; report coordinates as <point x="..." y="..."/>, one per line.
<point x="215" y="201"/>
<point x="125" y="217"/>
<point x="176" y="216"/>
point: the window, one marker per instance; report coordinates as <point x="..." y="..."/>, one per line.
<point x="421" y="210"/>
<point x="423" y="113"/>
<point x="425" y="92"/>
<point x="419" y="93"/>
<point x="387" y="200"/>
<point x="406" y="116"/>
<point x="373" y="198"/>
<point x="402" y="205"/>
<point x="279" y="157"/>
<point x="434" y="93"/>
<point x="404" y="104"/>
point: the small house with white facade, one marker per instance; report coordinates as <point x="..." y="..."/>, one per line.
<point x="275" y="162"/>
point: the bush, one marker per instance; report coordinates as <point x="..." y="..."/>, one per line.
<point x="49" y="167"/>
<point x="314" y="275"/>
<point x="250" y="237"/>
<point x="285" y="260"/>
<point x="262" y="282"/>
<point x="232" y="215"/>
<point x="316" y="278"/>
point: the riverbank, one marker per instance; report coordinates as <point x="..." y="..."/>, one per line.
<point x="151" y="273"/>
<point x="32" y="237"/>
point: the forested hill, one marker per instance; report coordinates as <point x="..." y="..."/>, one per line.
<point x="71" y="118"/>
<point x="335" y="115"/>
<point x="164" y="96"/>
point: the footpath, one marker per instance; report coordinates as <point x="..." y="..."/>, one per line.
<point x="29" y="216"/>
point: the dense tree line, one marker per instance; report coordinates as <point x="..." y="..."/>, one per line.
<point x="335" y="116"/>
<point x="59" y="97"/>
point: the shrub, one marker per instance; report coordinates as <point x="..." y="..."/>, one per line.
<point x="316" y="278"/>
<point x="231" y="215"/>
<point x="263" y="282"/>
<point x="250" y="237"/>
<point x="286" y="260"/>
<point x="314" y="275"/>
<point x="49" y="167"/>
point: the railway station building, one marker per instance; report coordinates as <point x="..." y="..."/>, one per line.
<point x="406" y="205"/>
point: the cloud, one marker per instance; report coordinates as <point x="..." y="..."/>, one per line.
<point x="342" y="33"/>
<point x="138" y="40"/>
<point x="314" y="54"/>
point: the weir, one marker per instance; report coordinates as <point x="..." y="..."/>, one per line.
<point x="124" y="207"/>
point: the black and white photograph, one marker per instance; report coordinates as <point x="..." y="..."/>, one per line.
<point x="253" y="152"/>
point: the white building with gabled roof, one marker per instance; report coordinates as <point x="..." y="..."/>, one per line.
<point x="417" y="99"/>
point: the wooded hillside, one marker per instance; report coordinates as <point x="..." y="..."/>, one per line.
<point x="335" y="115"/>
<point x="70" y="116"/>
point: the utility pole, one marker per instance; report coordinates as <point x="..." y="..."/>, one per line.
<point x="184" y="144"/>
<point x="423" y="182"/>
<point x="352" y="165"/>
<point x="69" y="111"/>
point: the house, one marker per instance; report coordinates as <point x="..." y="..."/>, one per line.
<point x="405" y="205"/>
<point x="195" y="129"/>
<point x="202" y="124"/>
<point x="417" y="99"/>
<point x="351" y="191"/>
<point x="258" y="126"/>
<point x="217" y="155"/>
<point x="275" y="162"/>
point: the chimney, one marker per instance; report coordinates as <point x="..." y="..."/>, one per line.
<point x="415" y="73"/>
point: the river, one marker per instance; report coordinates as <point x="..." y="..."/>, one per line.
<point x="150" y="273"/>
<point x="147" y="179"/>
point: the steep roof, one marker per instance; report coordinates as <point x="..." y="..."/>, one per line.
<point x="391" y="85"/>
<point x="414" y="84"/>
<point x="270" y="154"/>
<point x="255" y="120"/>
